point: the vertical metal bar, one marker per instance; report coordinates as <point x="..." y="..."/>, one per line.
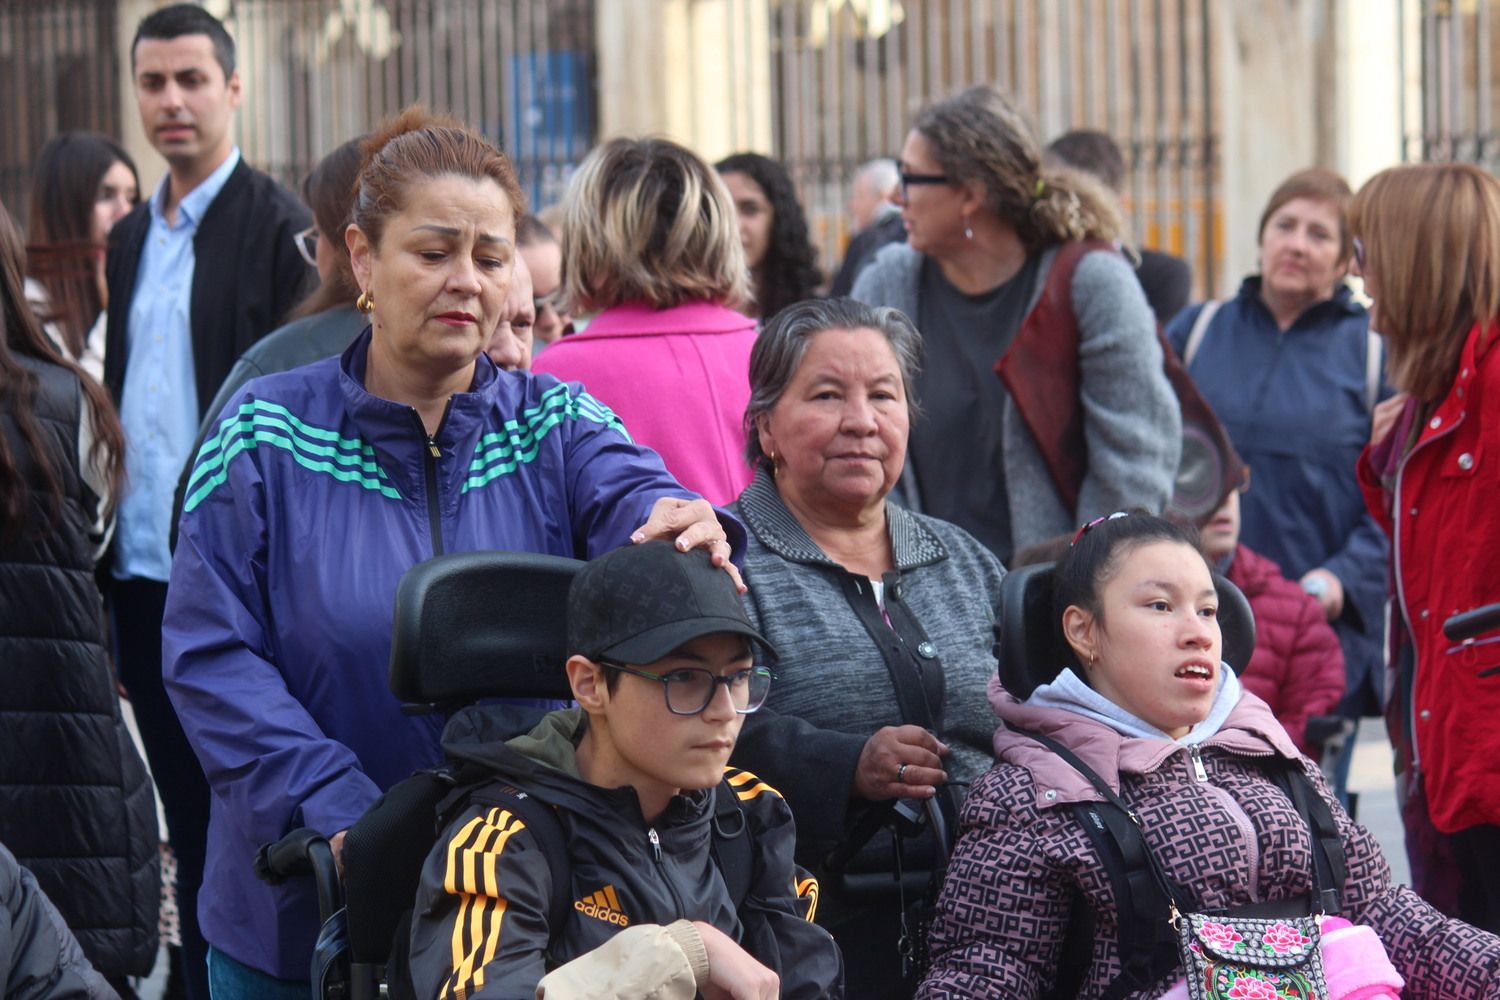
<point x="1482" y="82"/>
<point x="1401" y="118"/>
<point x="1163" y="208"/>
<point x="1086" y="43"/>
<point x="1210" y="189"/>
<point x="1431" y="79"/>
<point x="1024" y="28"/>
<point x="508" y="32"/>
<point x="980" y="68"/>
<point x="1005" y="63"/>
<point x="1137" y="144"/>
<point x="1185" y="126"/>
<point x="1112" y="67"/>
<point x="958" y="73"/>
<point x="1066" y="68"/>
<point x="1455" y="83"/>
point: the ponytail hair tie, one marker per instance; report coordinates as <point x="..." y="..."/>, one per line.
<point x="1041" y="187"/>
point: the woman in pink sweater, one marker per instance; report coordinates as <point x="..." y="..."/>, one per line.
<point x="653" y="249"/>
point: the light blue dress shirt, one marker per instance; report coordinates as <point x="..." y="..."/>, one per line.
<point x="159" y="401"/>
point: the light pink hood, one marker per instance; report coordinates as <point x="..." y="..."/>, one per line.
<point x="1250" y="729"/>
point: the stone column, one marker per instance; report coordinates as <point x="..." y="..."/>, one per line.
<point x="697" y="71"/>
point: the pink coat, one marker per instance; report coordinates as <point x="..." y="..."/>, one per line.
<point x="678" y="378"/>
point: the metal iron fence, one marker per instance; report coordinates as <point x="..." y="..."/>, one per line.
<point x="846" y="77"/>
<point x="318" y="72"/>
<point x="851" y="74"/>
<point x="324" y="71"/>
<point x="59" y="71"/>
<point x="1460" y="80"/>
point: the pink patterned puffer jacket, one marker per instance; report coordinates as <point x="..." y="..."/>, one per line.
<point x="1023" y="859"/>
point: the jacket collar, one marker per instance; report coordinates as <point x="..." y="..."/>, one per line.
<point x="544" y="762"/>
<point x="639" y="319"/>
<point x="394" y="430"/>
<point x="1343" y="303"/>
<point x="1250" y="730"/>
<point x="912" y="543"/>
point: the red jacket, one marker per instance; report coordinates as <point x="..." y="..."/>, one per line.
<point x="1298" y="666"/>
<point x="1445" y="534"/>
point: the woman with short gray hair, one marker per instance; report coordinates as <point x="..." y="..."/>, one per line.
<point x="884" y="619"/>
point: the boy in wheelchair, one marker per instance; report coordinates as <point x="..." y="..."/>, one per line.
<point x="614" y="853"/>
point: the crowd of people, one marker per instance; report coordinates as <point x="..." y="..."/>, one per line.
<point x="230" y="421"/>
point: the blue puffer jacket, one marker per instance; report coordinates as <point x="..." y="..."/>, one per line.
<point x="300" y="516"/>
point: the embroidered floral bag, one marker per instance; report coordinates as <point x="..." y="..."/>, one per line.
<point x="1251" y="958"/>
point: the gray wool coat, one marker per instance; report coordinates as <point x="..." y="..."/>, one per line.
<point x="1131" y="418"/>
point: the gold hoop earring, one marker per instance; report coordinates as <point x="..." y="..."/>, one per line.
<point x="365" y="303"/>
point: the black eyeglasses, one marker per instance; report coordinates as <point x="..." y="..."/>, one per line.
<point x="1095" y="523"/>
<point x="690" y="690"/>
<point x="909" y="180"/>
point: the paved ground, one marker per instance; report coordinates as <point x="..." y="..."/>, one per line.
<point x="1369" y="775"/>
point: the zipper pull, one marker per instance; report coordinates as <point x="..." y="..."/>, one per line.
<point x="1198" y="770"/>
<point x="655" y="843"/>
<point x="434" y="449"/>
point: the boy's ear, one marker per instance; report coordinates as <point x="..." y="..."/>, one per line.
<point x="589" y="685"/>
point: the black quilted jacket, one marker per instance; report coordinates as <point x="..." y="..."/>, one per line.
<point x="75" y="800"/>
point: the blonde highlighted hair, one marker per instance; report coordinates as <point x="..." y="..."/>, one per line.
<point x="1431" y="236"/>
<point x="647" y="220"/>
<point x="980" y="135"/>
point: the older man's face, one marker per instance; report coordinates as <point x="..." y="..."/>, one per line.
<point x="510" y="344"/>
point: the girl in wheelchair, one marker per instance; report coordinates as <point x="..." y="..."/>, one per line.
<point x="1144" y="810"/>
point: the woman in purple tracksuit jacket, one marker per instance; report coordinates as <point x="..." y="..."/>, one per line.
<point x="322" y="485"/>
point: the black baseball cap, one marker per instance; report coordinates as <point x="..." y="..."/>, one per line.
<point x="641" y="602"/>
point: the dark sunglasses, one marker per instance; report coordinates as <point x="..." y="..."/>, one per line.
<point x="909" y="180"/>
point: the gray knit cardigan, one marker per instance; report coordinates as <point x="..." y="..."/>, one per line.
<point x="1131" y="419"/>
<point x="832" y="687"/>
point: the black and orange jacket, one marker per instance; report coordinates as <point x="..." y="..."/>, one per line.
<point x="480" y="928"/>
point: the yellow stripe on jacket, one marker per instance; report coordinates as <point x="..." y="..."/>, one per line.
<point x="473" y="854"/>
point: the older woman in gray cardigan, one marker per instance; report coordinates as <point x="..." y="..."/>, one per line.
<point x="985" y="223"/>
<point x="883" y="618"/>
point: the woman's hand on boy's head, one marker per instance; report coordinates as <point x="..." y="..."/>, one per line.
<point x="690" y="524"/>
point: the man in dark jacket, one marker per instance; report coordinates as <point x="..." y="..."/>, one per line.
<point x="634" y="775"/>
<point x="198" y="273"/>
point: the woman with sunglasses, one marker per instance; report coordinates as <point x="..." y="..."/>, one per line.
<point x="1289" y="366"/>
<point x="884" y="618"/>
<point x="986" y="224"/>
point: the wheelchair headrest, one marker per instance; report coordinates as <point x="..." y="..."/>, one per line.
<point x="1031" y="647"/>
<point x="476" y="625"/>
